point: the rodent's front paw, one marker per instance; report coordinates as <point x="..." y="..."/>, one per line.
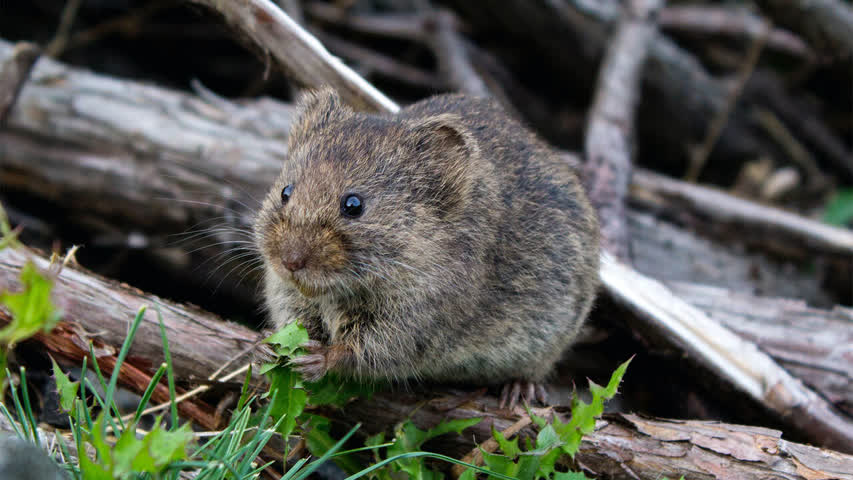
<point x="314" y="364"/>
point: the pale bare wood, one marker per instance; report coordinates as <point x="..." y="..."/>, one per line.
<point x="814" y="344"/>
<point x="732" y="357"/>
<point x="610" y="130"/>
<point x="775" y="224"/>
<point x="730" y="21"/>
<point x="13" y="74"/>
<point x="300" y="53"/>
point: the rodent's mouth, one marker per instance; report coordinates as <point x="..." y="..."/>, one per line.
<point x="307" y="290"/>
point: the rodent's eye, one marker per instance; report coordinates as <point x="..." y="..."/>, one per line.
<point x="352" y="205"/>
<point x="285" y="194"/>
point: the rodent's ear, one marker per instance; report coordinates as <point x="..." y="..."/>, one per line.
<point x="448" y="152"/>
<point x="445" y="134"/>
<point x="316" y="108"/>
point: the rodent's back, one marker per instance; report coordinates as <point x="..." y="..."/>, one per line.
<point x="544" y="256"/>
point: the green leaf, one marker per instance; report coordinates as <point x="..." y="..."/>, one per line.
<point x="66" y="388"/>
<point x="130" y="455"/>
<point x="32" y="311"/>
<point x="499" y="463"/>
<point x="288" y="339"/>
<point x="570" y="476"/>
<point x="92" y="470"/>
<point x="469" y="474"/>
<point x="509" y="448"/>
<point x="333" y="390"/>
<point x="839" y="209"/>
<point x="289" y="398"/>
<point x="319" y="442"/>
<point x="547" y="439"/>
<point x="584" y="414"/>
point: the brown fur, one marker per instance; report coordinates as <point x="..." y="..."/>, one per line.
<point x="475" y="260"/>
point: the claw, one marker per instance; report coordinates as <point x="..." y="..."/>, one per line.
<point x="312" y="365"/>
<point x="527" y="392"/>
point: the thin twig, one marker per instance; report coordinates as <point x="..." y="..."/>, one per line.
<point x="724" y="20"/>
<point x="66" y="20"/>
<point x="699" y="155"/>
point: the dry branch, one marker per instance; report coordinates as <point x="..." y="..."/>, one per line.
<point x="302" y="56"/>
<point x="94" y="118"/>
<point x="622" y="445"/>
<point x="678" y="92"/>
<point x="610" y="131"/>
<point x="723" y="20"/>
<point x="826" y="24"/>
<point x="733" y="358"/>
<point x="13" y="74"/>
<point x="104" y="309"/>
<point x="772" y="224"/>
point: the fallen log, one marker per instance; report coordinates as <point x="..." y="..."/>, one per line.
<point x="622" y="446"/>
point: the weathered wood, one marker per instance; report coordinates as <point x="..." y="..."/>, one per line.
<point x="13" y="74"/>
<point x="775" y="226"/>
<point x="610" y="129"/>
<point x="623" y="446"/>
<point x="678" y="91"/>
<point x="300" y="53"/>
<point x="725" y="20"/>
<point x="826" y="24"/>
<point x="813" y="344"/>
<point x="104" y="309"/>
<point x="630" y="446"/>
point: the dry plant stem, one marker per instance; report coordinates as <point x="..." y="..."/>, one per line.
<point x="301" y="55"/>
<point x="699" y="155"/>
<point x="723" y="20"/>
<point x="610" y="131"/>
<point x="13" y="74"/>
<point x="727" y="209"/>
<point x="825" y="24"/>
<point x="768" y="89"/>
<point x="737" y="360"/>
<point x="60" y="39"/>
<point x="786" y="139"/>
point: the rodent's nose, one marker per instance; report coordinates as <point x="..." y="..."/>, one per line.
<point x="294" y="261"/>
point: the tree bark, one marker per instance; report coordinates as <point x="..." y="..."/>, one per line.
<point x="622" y="446"/>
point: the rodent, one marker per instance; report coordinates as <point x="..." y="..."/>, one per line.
<point x="444" y="243"/>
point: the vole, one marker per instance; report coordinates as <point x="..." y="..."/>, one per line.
<point x="444" y="243"/>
